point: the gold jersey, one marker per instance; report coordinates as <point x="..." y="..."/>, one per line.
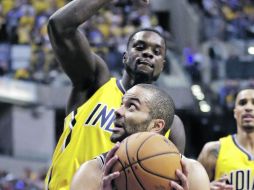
<point x="86" y="135"/>
<point x="235" y="162"/>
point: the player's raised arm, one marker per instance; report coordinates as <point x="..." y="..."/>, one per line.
<point x="86" y="70"/>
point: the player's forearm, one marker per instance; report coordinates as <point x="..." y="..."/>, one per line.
<point x="75" y="13"/>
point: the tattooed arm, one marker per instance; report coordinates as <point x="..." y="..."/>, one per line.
<point x="208" y="158"/>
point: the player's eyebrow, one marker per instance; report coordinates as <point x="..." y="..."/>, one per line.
<point x="135" y="99"/>
<point x="131" y="99"/>
<point x="157" y="45"/>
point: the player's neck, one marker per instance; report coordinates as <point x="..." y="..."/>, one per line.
<point x="246" y="140"/>
<point x="128" y="81"/>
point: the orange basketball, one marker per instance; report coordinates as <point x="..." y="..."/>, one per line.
<point x="146" y="161"/>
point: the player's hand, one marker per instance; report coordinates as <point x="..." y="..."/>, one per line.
<point x="221" y="184"/>
<point x="183" y="176"/>
<point x="110" y="161"/>
<point x="146" y="1"/>
<point x="141" y="2"/>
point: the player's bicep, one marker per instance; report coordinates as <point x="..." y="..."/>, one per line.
<point x="72" y="51"/>
<point x="198" y="178"/>
<point x="208" y="157"/>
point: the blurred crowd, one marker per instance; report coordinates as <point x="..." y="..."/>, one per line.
<point x="227" y="31"/>
<point x="23" y="25"/>
<point x="30" y="180"/>
<point x="227" y="26"/>
<point x="229" y="19"/>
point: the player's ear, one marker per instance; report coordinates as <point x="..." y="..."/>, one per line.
<point x="164" y="63"/>
<point x="125" y="57"/>
<point x="234" y="113"/>
<point x="158" y="125"/>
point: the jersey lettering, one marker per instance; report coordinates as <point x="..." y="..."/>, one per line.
<point x="242" y="180"/>
<point x="103" y="115"/>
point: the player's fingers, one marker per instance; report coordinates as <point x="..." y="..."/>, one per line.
<point x="141" y="1"/>
<point x="223" y="179"/>
<point x="111" y="153"/>
<point x="183" y="178"/>
<point x="109" y="164"/>
<point x="228" y="187"/>
<point x="108" y="178"/>
<point x="220" y="186"/>
<point x="215" y="188"/>
<point x="175" y="186"/>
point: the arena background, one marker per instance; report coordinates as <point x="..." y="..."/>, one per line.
<point x="210" y="47"/>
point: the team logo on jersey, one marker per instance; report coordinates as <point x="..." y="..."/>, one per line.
<point x="101" y="115"/>
<point x="242" y="179"/>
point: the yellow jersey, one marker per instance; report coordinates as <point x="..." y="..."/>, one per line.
<point x="235" y="162"/>
<point x="86" y="135"/>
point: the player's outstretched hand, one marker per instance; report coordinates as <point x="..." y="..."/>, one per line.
<point x="182" y="175"/>
<point x="141" y="2"/>
<point x="221" y="184"/>
<point x="110" y="161"/>
<point x="146" y="1"/>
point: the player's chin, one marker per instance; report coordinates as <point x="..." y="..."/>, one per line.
<point x="145" y="72"/>
<point x="117" y="137"/>
<point x="143" y="76"/>
<point x="248" y="127"/>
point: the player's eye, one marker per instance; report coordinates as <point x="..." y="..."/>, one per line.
<point x="242" y="102"/>
<point x="157" y="51"/>
<point x="140" y="46"/>
<point x="131" y="106"/>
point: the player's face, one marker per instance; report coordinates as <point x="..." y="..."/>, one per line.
<point x="244" y="110"/>
<point x="145" y="57"/>
<point x="133" y="115"/>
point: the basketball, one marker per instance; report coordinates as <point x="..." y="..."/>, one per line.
<point x="146" y="161"/>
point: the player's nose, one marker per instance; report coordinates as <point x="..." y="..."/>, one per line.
<point x="249" y="107"/>
<point x="119" y="112"/>
<point x="147" y="54"/>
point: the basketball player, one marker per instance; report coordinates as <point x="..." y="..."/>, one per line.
<point x="229" y="162"/>
<point x="95" y="95"/>
<point x="144" y="108"/>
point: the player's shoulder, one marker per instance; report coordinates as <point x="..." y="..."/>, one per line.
<point x="192" y="164"/>
<point x="87" y="175"/>
<point x="197" y="175"/>
<point x="91" y="166"/>
<point x="212" y="145"/>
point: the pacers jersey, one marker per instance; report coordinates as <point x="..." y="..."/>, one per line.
<point x="235" y="162"/>
<point x="86" y="134"/>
